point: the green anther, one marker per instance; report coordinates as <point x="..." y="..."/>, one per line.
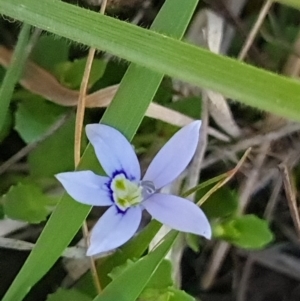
<point x="120" y="184"/>
<point x="125" y="192"/>
<point x="123" y="202"/>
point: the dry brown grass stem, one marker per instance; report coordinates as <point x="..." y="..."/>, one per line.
<point x="78" y="135"/>
<point x="254" y="31"/>
<point x="290" y="192"/>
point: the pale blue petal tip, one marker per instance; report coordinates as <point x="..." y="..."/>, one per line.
<point x="113" y="150"/>
<point x="174" y="157"/>
<point x="178" y="213"/>
<point x="114" y="229"/>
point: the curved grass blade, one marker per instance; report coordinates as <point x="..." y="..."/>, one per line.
<point x="252" y="86"/>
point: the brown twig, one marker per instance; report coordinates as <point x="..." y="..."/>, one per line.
<point x="285" y="130"/>
<point x="75" y="252"/>
<point x="274" y="198"/>
<point x="242" y="289"/>
<point x="222" y="9"/>
<point x="77" y="146"/>
<point x="290" y="192"/>
<point x="253" y="33"/>
<point x="215" y="261"/>
<point x="221" y="248"/>
<point x="249" y="182"/>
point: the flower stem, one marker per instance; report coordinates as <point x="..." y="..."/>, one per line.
<point x="78" y="135"/>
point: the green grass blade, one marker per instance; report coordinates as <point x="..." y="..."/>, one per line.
<point x="129" y="285"/>
<point x="293" y="3"/>
<point x="250" y="85"/>
<point x="125" y="113"/>
<point x="134" y="249"/>
<point x="14" y="72"/>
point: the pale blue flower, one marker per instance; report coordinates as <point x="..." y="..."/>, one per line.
<point x="125" y="192"/>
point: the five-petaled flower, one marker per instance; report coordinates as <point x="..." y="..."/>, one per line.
<point x="127" y="194"/>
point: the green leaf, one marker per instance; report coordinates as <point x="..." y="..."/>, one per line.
<point x="168" y="294"/>
<point x="220" y="204"/>
<point x="2" y="73"/>
<point x="252" y="86"/>
<point x="193" y="241"/>
<point x="160" y="279"/>
<point x="179" y="295"/>
<point x="190" y="106"/>
<point x="125" y="114"/>
<point x="55" y="154"/>
<point x="248" y="231"/>
<point x="1" y="211"/>
<point x="26" y="202"/>
<point x="68" y="295"/>
<point x="11" y="178"/>
<point x="113" y="74"/>
<point x="293" y="3"/>
<point x="14" y="71"/>
<point x="49" y="51"/>
<point x="31" y="121"/>
<point x="155" y="295"/>
<point x="205" y="186"/>
<point x="70" y="73"/>
<point x="5" y="130"/>
<point x="159" y="287"/>
<point x="133" y="249"/>
<point x="164" y="94"/>
<point x="118" y="270"/>
<point x="129" y="285"/>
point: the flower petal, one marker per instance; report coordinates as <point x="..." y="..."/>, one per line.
<point x="113" y="229"/>
<point x="86" y="187"/>
<point x="173" y="158"/>
<point x="113" y="150"/>
<point x="178" y="213"/>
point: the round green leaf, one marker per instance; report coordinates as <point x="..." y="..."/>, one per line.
<point x="248" y="231"/>
<point x="70" y="73"/>
<point x="35" y="116"/>
<point x="26" y="202"/>
<point x="55" y="154"/>
<point x="50" y="50"/>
